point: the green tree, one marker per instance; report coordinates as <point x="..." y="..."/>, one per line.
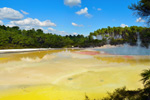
<point x="146" y="78"/>
<point x="142" y="9"/>
<point x="146" y="81"/>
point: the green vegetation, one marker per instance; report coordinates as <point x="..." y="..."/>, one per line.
<point x="119" y="35"/>
<point x="124" y="94"/>
<point x="142" y="9"/>
<point x="13" y="37"/>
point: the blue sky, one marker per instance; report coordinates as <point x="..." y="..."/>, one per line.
<point x="67" y="16"/>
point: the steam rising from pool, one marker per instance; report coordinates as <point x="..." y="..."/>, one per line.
<point x="126" y="49"/>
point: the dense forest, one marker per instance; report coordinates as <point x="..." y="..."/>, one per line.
<point x="119" y="35"/>
<point x="13" y="37"/>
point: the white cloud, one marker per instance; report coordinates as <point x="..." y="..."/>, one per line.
<point x="51" y="29"/>
<point x="84" y="12"/>
<point x="124" y="25"/>
<point x="72" y="2"/>
<point x="74" y="24"/>
<point x="10" y="14"/>
<point x="75" y="33"/>
<point x="1" y="22"/>
<point x="140" y="20"/>
<point x="24" y="12"/>
<point x="31" y="23"/>
<point x="54" y="31"/>
<point x="99" y="9"/>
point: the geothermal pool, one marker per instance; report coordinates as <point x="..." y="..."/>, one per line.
<point x="68" y="74"/>
<point x="126" y="50"/>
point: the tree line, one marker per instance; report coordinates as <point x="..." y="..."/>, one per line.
<point x="119" y="35"/>
<point x="13" y="37"/>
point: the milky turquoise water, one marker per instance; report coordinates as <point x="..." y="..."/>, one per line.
<point x="126" y="50"/>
